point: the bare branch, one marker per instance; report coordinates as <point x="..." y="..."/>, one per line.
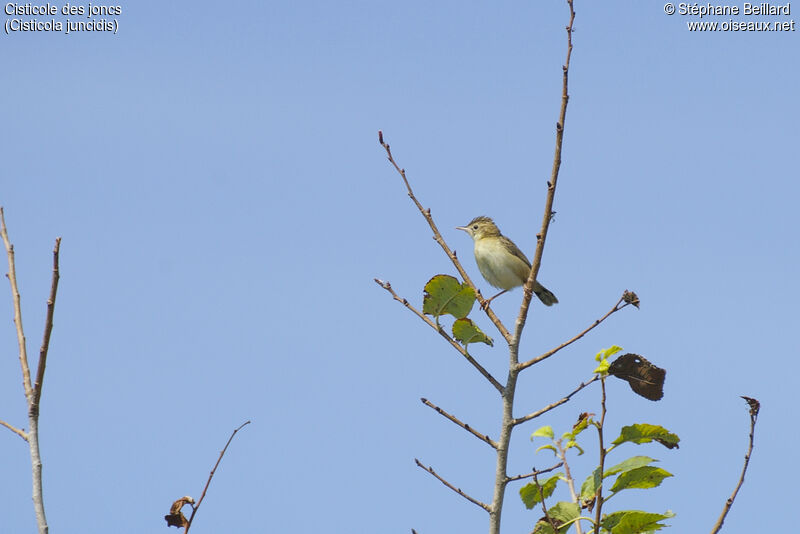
<point x="556" y="404"/>
<point x="754" y="408"/>
<point x="550" y="352"/>
<point x="437" y="236"/>
<point x="535" y="473"/>
<point x="48" y="328"/>
<point x="210" y="476"/>
<point x="388" y="287"/>
<point x="15" y="430"/>
<point x="465" y="426"/>
<point x="452" y="487"/>
<point x="12" y="278"/>
<point x="547" y="216"/>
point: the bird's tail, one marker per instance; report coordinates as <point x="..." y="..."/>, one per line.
<point x="545" y="295"/>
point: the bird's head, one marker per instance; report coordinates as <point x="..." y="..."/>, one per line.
<point x="480" y="227"/>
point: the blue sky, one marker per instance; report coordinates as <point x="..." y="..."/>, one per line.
<point x="224" y="205"/>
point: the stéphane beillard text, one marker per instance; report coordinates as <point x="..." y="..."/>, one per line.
<point x="705" y="10"/>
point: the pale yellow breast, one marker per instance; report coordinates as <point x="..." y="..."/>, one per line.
<point x="498" y="266"/>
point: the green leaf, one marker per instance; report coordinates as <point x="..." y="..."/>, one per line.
<point x="573" y="444"/>
<point x="579" y="427"/>
<point x="564" y="511"/>
<point x="606" y="353"/>
<point x="466" y="332"/>
<point x="644" y="433"/>
<point x="643" y="477"/>
<point x="590" y="485"/>
<point x="634" y="521"/>
<point x="563" y="514"/>
<point x="631" y="463"/>
<point x="547" y="447"/>
<point x="445" y="294"/>
<point x="544" y="432"/>
<point x="531" y="495"/>
<point x="602" y="369"/>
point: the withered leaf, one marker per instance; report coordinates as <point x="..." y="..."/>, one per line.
<point x="644" y="378"/>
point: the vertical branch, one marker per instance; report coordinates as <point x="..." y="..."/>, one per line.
<point x="754" y="407"/>
<point x="562" y="453"/>
<point x="551" y="187"/>
<point x="508" y="423"/>
<point x="599" y="497"/>
<point x="33" y="393"/>
<point x="48" y="329"/>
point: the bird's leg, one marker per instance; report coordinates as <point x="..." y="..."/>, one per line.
<point x="487" y="301"/>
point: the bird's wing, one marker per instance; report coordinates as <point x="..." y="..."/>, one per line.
<point x="515" y="250"/>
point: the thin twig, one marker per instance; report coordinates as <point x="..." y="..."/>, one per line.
<point x="754" y="407"/>
<point x="12" y="278"/>
<point x="437" y="236"/>
<point x="210" y="476"/>
<point x="535" y="473"/>
<point x="452" y="487"/>
<point x="15" y="430"/>
<point x="556" y="404"/>
<point x="388" y="287"/>
<point x="465" y="426"/>
<point x="550" y="352"/>
<point x="48" y="328"/>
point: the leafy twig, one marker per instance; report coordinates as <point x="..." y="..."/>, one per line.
<point x="570" y="482"/>
<point x="599" y="496"/>
<point x="482" y="370"/>
<point x="544" y="506"/>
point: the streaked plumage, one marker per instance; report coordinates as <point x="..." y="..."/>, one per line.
<point x="500" y="261"/>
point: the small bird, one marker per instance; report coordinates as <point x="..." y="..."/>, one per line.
<point x="500" y="261"/>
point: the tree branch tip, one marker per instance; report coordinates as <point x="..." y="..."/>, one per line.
<point x="380" y="136"/>
<point x="383" y="284"/>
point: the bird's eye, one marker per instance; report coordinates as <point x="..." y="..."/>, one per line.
<point x="475" y="227"/>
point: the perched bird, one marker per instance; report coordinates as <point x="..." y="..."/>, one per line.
<point x="500" y="261"/>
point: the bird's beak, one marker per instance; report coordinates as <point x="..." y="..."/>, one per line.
<point x="462" y="228"/>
